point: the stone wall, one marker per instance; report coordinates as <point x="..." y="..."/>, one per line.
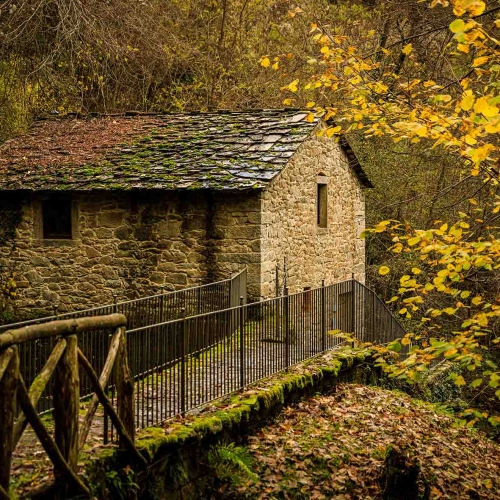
<point x="289" y="220"/>
<point x="138" y="244"/>
<point x="134" y="244"/>
<point x="236" y="237"/>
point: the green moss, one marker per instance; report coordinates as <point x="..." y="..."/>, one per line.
<point x="234" y="414"/>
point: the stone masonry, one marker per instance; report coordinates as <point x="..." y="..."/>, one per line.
<point x="133" y="245"/>
<point x="163" y="202"/>
<point x="289" y="224"/>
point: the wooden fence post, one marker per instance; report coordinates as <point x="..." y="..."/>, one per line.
<point x="9" y="372"/>
<point x="124" y="388"/>
<point x="67" y="403"/>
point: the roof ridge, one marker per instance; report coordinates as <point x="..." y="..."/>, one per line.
<point x="132" y="112"/>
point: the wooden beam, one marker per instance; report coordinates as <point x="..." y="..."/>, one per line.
<point x="103" y="380"/>
<point x="37" y="388"/>
<point x="67" y="403"/>
<point x="125" y="388"/>
<point x="3" y="494"/>
<point x="108" y="408"/>
<point x="8" y="409"/>
<point x="64" y="470"/>
<point x="61" y="327"/>
<point x="5" y="358"/>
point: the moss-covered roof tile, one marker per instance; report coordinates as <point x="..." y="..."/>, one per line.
<point x="221" y="150"/>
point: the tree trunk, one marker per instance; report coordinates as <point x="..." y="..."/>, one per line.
<point x="399" y="480"/>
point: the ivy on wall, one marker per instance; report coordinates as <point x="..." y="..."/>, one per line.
<point x="10" y="217"/>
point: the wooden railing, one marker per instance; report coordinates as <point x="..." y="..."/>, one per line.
<point x="18" y="403"/>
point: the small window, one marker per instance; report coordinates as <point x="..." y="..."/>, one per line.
<point x="56" y="219"/>
<point x="322" y="201"/>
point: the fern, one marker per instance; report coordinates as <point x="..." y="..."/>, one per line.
<point x="231" y="463"/>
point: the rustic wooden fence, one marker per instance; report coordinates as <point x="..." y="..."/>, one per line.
<point x="18" y="403"/>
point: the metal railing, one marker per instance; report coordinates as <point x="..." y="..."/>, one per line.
<point x="196" y="355"/>
<point x="214" y="354"/>
<point x="155" y="309"/>
<point x="161" y="307"/>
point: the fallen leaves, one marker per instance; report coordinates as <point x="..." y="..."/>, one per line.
<point x="335" y="446"/>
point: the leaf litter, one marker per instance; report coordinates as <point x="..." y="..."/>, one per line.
<point x="334" y="446"/>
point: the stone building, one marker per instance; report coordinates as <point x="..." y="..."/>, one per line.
<point x="138" y="203"/>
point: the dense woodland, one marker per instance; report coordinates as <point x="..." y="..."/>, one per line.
<point x="412" y="84"/>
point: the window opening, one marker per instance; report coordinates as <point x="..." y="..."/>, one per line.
<point x="322" y="208"/>
<point x="56" y="219"/>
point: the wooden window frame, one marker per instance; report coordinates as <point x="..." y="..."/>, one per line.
<point x="38" y="221"/>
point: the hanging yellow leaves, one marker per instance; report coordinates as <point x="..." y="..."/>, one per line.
<point x="384" y="270"/>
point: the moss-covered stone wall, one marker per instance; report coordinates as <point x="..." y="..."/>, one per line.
<point x="135" y="244"/>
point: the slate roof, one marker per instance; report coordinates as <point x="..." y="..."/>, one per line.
<point x="222" y="150"/>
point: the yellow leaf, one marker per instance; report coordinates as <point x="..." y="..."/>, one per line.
<point x="457" y="26"/>
<point x="384" y="270"/>
<point x="488" y="483"/>
<point x="473" y="7"/>
<point x="476" y="8"/>
<point x="470" y="140"/>
<point x="479" y="61"/>
<point x="407" y="49"/>
<point x="310" y="104"/>
<point x="333" y="130"/>
<point x="265" y="62"/>
<point x="416" y="270"/>
<point x="310" y="117"/>
<point x="293" y="87"/>
<point x="493" y="127"/>
<point x="412" y="127"/>
<point x="276" y="65"/>
<point x="459" y="380"/>
<point x="288" y="102"/>
<point x="468" y="101"/>
<point x="478" y="155"/>
<point x="484" y="108"/>
<point x="414" y="240"/>
<point x="477" y="300"/>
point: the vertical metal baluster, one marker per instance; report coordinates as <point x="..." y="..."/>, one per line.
<point x="183" y="361"/>
<point x="287" y="328"/>
<point x="242" y="347"/>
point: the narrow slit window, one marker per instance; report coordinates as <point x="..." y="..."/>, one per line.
<point x="322" y="209"/>
<point x="56" y="219"/>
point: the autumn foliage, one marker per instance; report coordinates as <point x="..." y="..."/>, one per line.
<point x="377" y="87"/>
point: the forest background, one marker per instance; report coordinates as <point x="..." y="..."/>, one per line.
<point x="412" y="83"/>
